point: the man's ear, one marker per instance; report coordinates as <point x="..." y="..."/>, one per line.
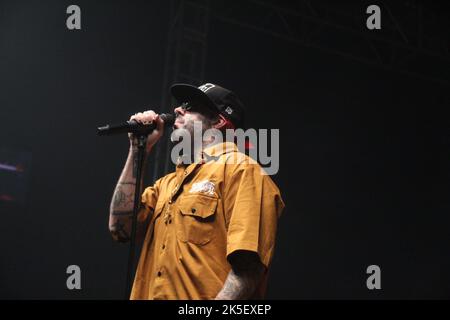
<point x="222" y="122"/>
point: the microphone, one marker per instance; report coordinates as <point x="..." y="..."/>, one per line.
<point x="135" y="127"/>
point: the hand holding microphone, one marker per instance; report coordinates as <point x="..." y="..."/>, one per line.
<point x="148" y="118"/>
<point x="142" y="123"/>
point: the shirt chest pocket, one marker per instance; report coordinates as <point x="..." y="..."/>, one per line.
<point x="195" y="219"/>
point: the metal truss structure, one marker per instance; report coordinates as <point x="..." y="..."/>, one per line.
<point x="184" y="62"/>
<point x="413" y="38"/>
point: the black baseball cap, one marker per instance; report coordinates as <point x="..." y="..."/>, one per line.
<point x="214" y="97"/>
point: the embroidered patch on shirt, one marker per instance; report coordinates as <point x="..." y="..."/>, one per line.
<point x="204" y="186"/>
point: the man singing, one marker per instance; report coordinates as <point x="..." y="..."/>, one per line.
<point x="212" y="222"/>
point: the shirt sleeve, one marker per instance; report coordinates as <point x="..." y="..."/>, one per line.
<point x="149" y="199"/>
<point x="255" y="204"/>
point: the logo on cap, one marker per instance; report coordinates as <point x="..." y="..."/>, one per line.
<point x="206" y="87"/>
<point x="229" y="110"/>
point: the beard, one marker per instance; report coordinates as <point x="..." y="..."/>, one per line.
<point x="190" y="127"/>
<point x="194" y="125"/>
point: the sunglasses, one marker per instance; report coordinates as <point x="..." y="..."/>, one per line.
<point x="187" y="106"/>
<point x="195" y="107"/>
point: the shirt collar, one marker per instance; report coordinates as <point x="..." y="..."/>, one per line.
<point x="212" y="152"/>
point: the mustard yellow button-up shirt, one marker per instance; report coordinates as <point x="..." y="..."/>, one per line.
<point x="200" y="214"/>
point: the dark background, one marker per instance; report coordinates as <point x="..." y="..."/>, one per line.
<point x="364" y="152"/>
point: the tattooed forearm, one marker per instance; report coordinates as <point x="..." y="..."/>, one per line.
<point x="131" y="183"/>
<point x="243" y="279"/>
<point x="122" y="202"/>
<point x="122" y="213"/>
<point x="123" y="195"/>
<point x="119" y="197"/>
<point x="118" y="232"/>
<point x="120" y="225"/>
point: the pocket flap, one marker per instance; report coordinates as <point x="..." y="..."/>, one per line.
<point x="198" y="205"/>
